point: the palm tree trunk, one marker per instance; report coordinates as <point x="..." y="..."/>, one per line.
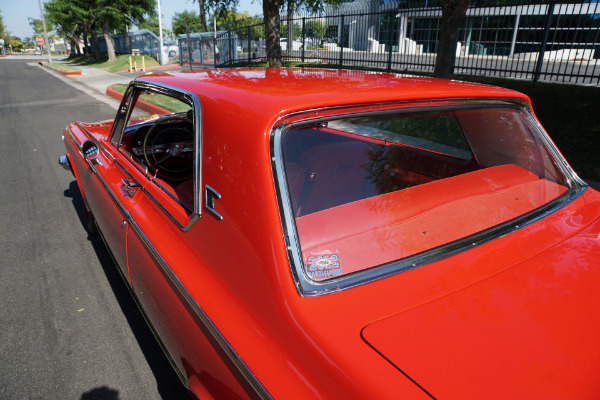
<point x="110" y="49"/>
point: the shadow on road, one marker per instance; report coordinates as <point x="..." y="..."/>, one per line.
<point x="168" y="384"/>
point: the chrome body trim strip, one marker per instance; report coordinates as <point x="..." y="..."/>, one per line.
<point x="307" y="287"/>
<point x="198" y="312"/>
<point x="201" y="315"/>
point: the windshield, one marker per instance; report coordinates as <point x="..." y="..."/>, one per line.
<point x="371" y="190"/>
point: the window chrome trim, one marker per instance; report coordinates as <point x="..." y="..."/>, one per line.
<point x="308" y="287"/>
<point x="183" y="95"/>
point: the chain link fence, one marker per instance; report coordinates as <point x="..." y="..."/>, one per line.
<point x="208" y="49"/>
<point x="145" y="42"/>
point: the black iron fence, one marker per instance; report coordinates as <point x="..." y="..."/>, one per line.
<point x="557" y="42"/>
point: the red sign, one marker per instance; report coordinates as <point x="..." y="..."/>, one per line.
<point x="39" y="39"/>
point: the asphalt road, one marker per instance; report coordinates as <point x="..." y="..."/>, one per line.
<point x="69" y="328"/>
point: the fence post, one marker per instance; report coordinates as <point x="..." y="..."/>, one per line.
<point x="230" y="45"/>
<point x="215" y="50"/>
<point x="189" y="42"/>
<point x="389" y="39"/>
<point x="303" y="43"/>
<point x="540" y="61"/>
<point x="248" y="44"/>
<point x="340" y="35"/>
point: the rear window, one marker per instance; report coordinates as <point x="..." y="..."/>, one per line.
<point x="372" y="190"/>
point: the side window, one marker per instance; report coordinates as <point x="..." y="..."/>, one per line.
<point x="159" y="138"/>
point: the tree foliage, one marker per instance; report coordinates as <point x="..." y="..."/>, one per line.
<point x="3" y="30"/>
<point x="16" y="43"/>
<point x="151" y="24"/>
<point x="37" y="25"/>
<point x="119" y="15"/>
<point x="179" y="22"/>
<point x="218" y="8"/>
<point x="76" y="18"/>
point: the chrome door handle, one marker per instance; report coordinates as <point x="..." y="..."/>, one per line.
<point x="130" y="186"/>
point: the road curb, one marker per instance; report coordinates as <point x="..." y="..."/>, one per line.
<point x="144" y="105"/>
<point x="60" y="71"/>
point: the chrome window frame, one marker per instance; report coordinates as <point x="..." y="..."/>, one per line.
<point x="307" y="287"/>
<point x="118" y="129"/>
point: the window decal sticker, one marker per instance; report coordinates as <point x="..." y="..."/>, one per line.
<point x="323" y="265"/>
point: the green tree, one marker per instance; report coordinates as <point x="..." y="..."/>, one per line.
<point x="16" y="43"/>
<point x="76" y="18"/>
<point x="151" y="24"/>
<point x="115" y="14"/>
<point x="315" y="28"/>
<point x="37" y="25"/>
<point x="67" y="27"/>
<point x="2" y="26"/>
<point x="179" y="19"/>
<point x="217" y="6"/>
<point x="28" y="42"/>
<point x="297" y="32"/>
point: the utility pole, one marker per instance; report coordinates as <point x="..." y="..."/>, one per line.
<point x="160" y="35"/>
<point x="45" y="31"/>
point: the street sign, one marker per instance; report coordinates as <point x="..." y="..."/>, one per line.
<point x="39" y="40"/>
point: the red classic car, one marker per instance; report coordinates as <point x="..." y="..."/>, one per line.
<point x="310" y="233"/>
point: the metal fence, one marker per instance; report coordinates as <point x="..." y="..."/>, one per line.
<point x="556" y="42"/>
<point x="143" y="40"/>
<point x="208" y="48"/>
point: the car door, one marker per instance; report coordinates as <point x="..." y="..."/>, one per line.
<point x="106" y="186"/>
<point x="163" y="227"/>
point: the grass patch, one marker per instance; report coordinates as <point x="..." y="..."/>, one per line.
<point x="569" y="113"/>
<point x="166" y="102"/>
<point x="119" y="88"/>
<point x="163" y="101"/>
<point x="63" y="67"/>
<point x="120" y="64"/>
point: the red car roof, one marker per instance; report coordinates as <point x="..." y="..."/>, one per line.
<point x="273" y="90"/>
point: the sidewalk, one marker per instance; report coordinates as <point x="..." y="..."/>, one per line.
<point x="98" y="80"/>
<point x="95" y="81"/>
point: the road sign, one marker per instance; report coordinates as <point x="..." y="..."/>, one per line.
<point x="39" y="39"/>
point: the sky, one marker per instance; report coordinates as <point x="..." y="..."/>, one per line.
<point x="16" y="13"/>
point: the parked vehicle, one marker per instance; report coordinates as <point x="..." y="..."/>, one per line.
<point x="171" y="49"/>
<point x="296" y="45"/>
<point x="311" y="233"/>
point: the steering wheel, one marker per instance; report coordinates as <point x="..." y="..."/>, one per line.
<point x="173" y="154"/>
